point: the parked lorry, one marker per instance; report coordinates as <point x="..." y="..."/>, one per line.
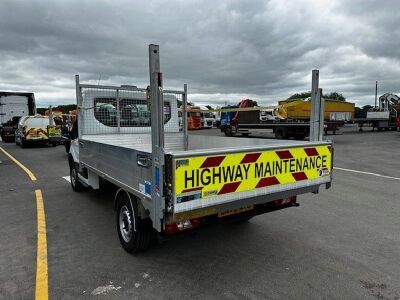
<point x="169" y="182"/>
<point x="384" y="116"/>
<point x="290" y="119"/>
<point x="13" y="106"/>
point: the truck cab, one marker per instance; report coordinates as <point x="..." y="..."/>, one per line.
<point x="268" y="115"/>
<point x="208" y="117"/>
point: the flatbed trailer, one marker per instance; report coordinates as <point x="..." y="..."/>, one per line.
<point x="284" y="129"/>
<point x="377" y="123"/>
<point x="169" y="182"/>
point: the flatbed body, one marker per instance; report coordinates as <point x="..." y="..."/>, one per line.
<point x="115" y="158"/>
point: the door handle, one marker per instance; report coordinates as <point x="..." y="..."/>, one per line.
<point x="144" y="160"/>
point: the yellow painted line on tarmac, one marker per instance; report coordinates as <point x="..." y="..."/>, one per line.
<point x="42" y="289"/>
<point x="27" y="171"/>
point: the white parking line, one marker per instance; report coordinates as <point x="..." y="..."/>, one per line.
<point x="367" y="173"/>
<point x="67" y="178"/>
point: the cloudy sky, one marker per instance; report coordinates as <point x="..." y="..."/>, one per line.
<point x="223" y="50"/>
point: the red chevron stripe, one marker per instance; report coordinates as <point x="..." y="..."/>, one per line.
<point x="250" y="158"/>
<point x="311" y="151"/>
<point x="284" y="154"/>
<point x="298" y="176"/>
<point x="267" y="181"/>
<point x="213" y="161"/>
<point x="229" y="188"/>
<point x="192" y="189"/>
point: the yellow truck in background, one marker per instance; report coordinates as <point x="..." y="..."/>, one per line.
<point x="300" y="109"/>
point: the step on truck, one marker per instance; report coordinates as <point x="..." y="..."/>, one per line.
<point x="168" y="182"/>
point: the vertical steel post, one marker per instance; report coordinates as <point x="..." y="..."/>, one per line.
<point x="118" y="113"/>
<point x="157" y="136"/>
<point x="321" y="101"/>
<point x="376" y="92"/>
<point x="315" y="107"/>
<point x="79" y="106"/>
<point x="51" y="121"/>
<point x="184" y="118"/>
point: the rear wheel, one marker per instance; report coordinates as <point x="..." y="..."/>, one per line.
<point x="7" y="139"/>
<point x="228" y="131"/>
<point x="76" y="185"/>
<point x="281" y="133"/>
<point x="134" y="232"/>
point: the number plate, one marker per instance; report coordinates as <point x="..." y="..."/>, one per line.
<point x="235" y="211"/>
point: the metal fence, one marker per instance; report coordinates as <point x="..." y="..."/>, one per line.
<point x="124" y="109"/>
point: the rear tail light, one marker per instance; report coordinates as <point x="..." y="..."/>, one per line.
<point x="182" y="226"/>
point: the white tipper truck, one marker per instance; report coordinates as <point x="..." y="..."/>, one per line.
<point x="168" y="182"/>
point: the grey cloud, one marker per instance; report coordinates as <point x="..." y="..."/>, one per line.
<point x="222" y="49"/>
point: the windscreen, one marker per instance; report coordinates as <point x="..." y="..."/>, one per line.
<point x="37" y="122"/>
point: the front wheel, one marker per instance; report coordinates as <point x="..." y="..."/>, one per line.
<point x="76" y="185"/>
<point x="134" y="232"/>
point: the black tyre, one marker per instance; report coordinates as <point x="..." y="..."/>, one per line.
<point x="134" y="232"/>
<point x="228" y="131"/>
<point x="53" y="144"/>
<point x="23" y="143"/>
<point x="76" y="185"/>
<point x="7" y="139"/>
<point x="67" y="145"/>
<point x="281" y="133"/>
<point x="245" y="134"/>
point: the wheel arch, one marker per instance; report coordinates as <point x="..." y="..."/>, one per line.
<point x="119" y="192"/>
<point x="142" y="212"/>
